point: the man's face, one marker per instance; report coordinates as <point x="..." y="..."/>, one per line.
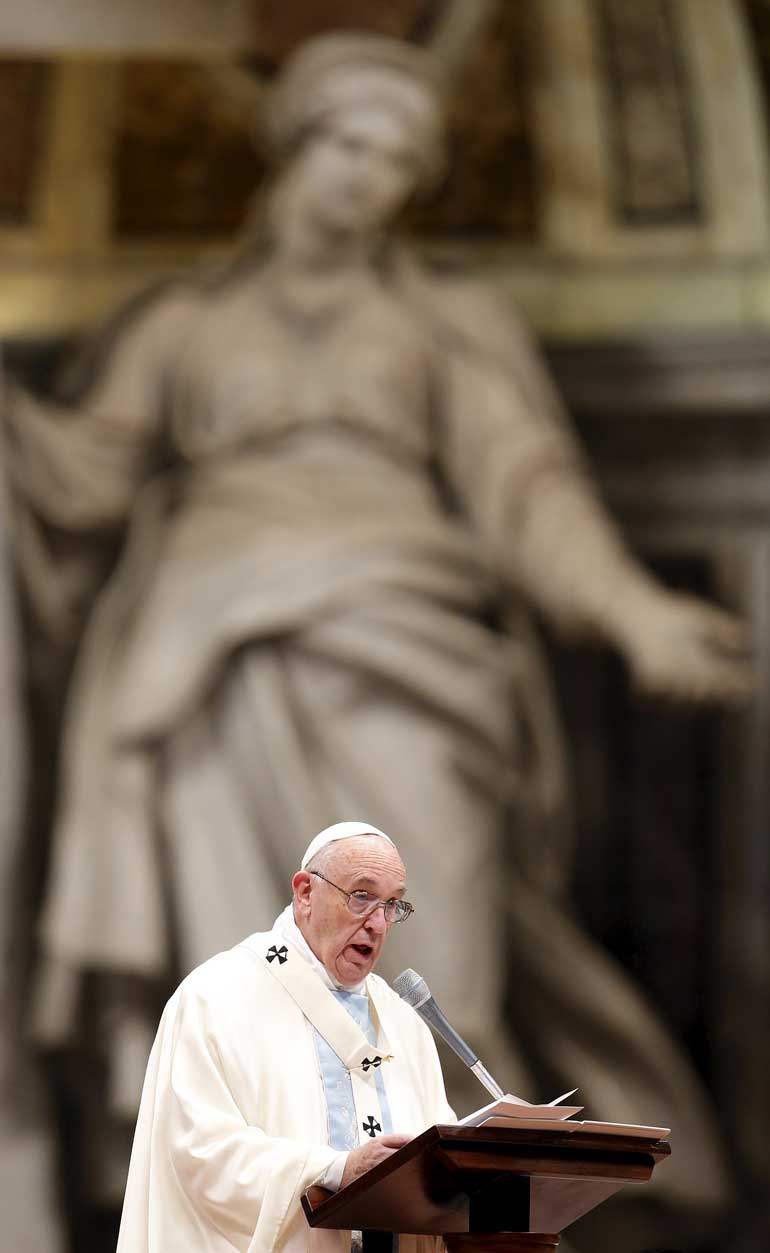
<point x="348" y="946"/>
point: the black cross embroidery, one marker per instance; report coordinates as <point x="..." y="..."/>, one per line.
<point x="375" y="1061"/>
<point x="371" y="1126"/>
<point x="281" y="953"/>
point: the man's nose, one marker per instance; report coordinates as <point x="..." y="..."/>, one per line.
<point x="375" y="921"/>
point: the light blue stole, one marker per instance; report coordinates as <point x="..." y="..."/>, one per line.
<point x="338" y="1090"/>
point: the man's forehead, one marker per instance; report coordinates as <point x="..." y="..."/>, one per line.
<point x="367" y="858"/>
<point x="373" y="883"/>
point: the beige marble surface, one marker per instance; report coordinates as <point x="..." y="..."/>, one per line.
<point x="575" y="301"/>
<point x="138" y="25"/>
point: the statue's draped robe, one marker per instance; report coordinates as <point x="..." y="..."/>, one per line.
<point x="233" y="1124"/>
<point x="304" y="626"/>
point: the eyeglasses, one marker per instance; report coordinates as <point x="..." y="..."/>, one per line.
<point x="363" y="903"/>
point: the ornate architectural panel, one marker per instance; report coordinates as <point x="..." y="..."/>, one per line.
<point x="649" y="130"/>
<point x="491" y="188"/>
<point x="656" y="175"/>
<point x="758" y="18"/>
<point x="184" y="160"/>
<point x="23" y="99"/>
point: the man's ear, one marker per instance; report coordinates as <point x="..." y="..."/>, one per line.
<point x="301" y="884"/>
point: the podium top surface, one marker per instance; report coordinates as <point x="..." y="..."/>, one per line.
<point x="426" y="1186"/>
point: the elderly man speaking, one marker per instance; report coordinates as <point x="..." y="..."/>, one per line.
<point x="281" y="1063"/>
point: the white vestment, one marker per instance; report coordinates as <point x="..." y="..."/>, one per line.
<point x="233" y="1122"/>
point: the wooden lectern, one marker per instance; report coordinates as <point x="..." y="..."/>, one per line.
<point x="487" y="1189"/>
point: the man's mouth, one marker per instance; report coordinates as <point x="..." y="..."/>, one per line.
<point x="365" y="950"/>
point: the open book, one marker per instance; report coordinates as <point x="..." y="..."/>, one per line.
<point x="512" y="1111"/>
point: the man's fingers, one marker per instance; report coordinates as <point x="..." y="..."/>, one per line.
<point x="371" y="1154"/>
<point x="394" y="1141"/>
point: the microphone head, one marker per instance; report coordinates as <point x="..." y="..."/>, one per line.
<point x="412" y="988"/>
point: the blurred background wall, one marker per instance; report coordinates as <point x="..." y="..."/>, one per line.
<point x="612" y="182"/>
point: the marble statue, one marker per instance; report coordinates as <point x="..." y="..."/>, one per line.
<point x="344" y="483"/>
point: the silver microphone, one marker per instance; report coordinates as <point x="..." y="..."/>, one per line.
<point x="413" y="989"/>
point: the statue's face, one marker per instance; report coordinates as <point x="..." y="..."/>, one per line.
<point x="355" y="175"/>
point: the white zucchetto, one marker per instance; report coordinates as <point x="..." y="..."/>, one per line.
<point x="340" y="831"/>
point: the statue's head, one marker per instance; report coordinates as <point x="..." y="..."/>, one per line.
<point x="357" y="119"/>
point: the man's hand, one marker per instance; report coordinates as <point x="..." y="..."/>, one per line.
<point x="367" y="1155"/>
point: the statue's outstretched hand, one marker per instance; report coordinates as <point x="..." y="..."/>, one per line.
<point x="686" y="649"/>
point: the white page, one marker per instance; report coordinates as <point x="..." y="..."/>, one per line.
<point x="514" y="1107"/>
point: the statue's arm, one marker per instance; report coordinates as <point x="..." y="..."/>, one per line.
<point x="78" y="465"/>
<point x="75" y="470"/>
<point x="519" y="473"/>
<point x="569" y="556"/>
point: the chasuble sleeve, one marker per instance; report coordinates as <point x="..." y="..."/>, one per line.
<point x="243" y="1181"/>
